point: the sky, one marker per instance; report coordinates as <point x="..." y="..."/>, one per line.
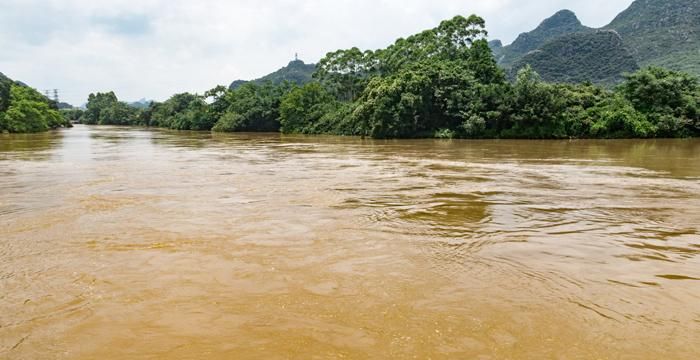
<point x="156" y="48"/>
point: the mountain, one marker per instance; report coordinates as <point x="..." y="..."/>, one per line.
<point x="662" y="32"/>
<point x="599" y="57"/>
<point x="562" y="23"/>
<point x="495" y="44"/>
<point x="296" y="72"/>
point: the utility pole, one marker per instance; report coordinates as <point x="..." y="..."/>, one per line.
<point x="55" y="96"/>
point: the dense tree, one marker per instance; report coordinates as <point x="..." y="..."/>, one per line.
<point x="96" y="103"/>
<point x="302" y="109"/>
<point x="671" y="100"/>
<point x="346" y="72"/>
<point x="29" y="111"/>
<point x="250" y="107"/>
<point x="72" y="115"/>
<point x="183" y="111"/>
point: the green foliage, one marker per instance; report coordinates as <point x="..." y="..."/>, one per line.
<point x="669" y="99"/>
<point x="420" y="101"/>
<point x="445" y="134"/>
<point x="230" y="122"/>
<point x="346" y="72"/>
<point x="72" y="115"/>
<point x="96" y="103"/>
<point x="251" y="107"/>
<point x="183" y="111"/>
<point x="303" y="108"/>
<point x="537" y="108"/>
<point x="106" y="109"/>
<point x="617" y="118"/>
<point x="451" y="40"/>
<point x="29" y="111"/>
<point x="119" y="113"/>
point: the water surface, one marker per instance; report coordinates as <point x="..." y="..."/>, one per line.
<point x="133" y="243"/>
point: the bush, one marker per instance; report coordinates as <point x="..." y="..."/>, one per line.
<point x="230" y="122"/>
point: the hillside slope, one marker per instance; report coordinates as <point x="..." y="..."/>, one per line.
<point x="599" y="57"/>
<point x="662" y="32"/>
<point x="296" y="72"/>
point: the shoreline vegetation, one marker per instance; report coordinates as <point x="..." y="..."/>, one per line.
<point x="440" y="83"/>
<point x="25" y="110"/>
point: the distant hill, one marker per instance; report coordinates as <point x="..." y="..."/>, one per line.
<point x="599" y="57"/>
<point x="662" y="32"/>
<point x="296" y="72"/>
<point x="141" y="104"/>
<point x="562" y="23"/>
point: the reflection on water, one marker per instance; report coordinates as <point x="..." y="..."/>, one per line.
<point x="121" y="243"/>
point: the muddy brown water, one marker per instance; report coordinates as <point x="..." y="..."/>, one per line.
<point x="131" y="243"/>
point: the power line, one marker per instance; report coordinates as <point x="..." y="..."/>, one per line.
<point x="52" y="94"/>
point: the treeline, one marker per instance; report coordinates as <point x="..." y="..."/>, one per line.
<point x="442" y="82"/>
<point x="24" y="110"/>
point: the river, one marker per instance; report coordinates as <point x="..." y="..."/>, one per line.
<point x="135" y="243"/>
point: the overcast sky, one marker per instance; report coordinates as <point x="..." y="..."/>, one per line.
<point x="155" y="48"/>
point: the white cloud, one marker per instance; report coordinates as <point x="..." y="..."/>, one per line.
<point x="155" y="48"/>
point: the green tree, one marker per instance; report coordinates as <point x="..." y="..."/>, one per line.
<point x="303" y="107"/>
<point x="537" y="108"/>
<point x="29" y="111"/>
<point x="118" y="113"/>
<point x="96" y="103"/>
<point x="346" y="72"/>
<point x="183" y="111"/>
<point x="669" y="99"/>
<point x="252" y="107"/>
<point x="617" y="118"/>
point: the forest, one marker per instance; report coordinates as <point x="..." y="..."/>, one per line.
<point x="442" y="83"/>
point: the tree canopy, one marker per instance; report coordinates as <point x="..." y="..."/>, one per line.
<point x="23" y="109"/>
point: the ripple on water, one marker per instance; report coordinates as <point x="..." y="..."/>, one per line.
<point x="120" y="243"/>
